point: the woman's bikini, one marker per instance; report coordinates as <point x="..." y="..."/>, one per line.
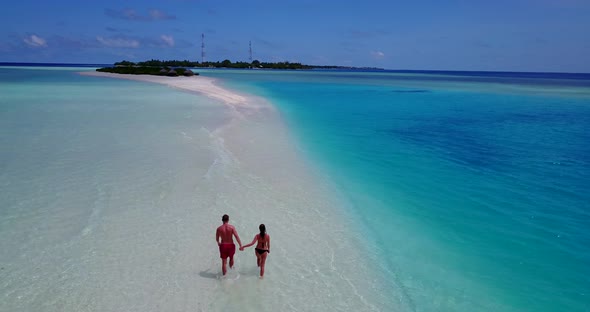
<point x="261" y="243"/>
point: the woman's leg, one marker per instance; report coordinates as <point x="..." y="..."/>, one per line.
<point x="257" y="258"/>
<point x="262" y="263"/>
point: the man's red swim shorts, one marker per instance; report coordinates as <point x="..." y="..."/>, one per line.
<point x="227" y="250"/>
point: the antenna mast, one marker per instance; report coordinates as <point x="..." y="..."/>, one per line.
<point x="202" y="48"/>
<point x="250" y="52"/>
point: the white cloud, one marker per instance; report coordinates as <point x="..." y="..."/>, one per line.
<point x="377" y="54"/>
<point x="35" y="41"/>
<point x="158" y="15"/>
<point x="169" y="40"/>
<point x="132" y="15"/>
<point x="118" y="42"/>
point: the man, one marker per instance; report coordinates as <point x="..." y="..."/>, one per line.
<point x="227" y="248"/>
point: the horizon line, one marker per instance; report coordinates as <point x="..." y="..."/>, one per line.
<point x="24" y="64"/>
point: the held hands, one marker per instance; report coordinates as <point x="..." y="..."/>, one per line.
<point x="241" y="248"/>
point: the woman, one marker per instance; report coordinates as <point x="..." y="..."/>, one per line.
<point x="262" y="248"/>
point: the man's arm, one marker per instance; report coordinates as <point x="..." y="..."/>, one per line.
<point x="217" y="236"/>
<point x="237" y="237"/>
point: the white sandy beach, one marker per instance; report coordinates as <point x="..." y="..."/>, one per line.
<point x="198" y="84"/>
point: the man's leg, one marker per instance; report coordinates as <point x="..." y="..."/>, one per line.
<point x="231" y="262"/>
<point x="224" y="265"/>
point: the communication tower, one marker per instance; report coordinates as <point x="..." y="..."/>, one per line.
<point x="202" y="48"/>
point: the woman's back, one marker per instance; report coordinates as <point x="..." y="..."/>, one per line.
<point x="262" y="241"/>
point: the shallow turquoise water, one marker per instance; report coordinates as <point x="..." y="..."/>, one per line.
<point x="96" y="182"/>
<point x="470" y="192"/>
<point x="111" y="190"/>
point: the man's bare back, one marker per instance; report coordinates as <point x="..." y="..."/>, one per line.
<point x="226" y="233"/>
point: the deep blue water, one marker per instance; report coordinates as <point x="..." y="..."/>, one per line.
<point x="469" y="189"/>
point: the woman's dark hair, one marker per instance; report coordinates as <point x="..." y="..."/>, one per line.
<point x="262" y="230"/>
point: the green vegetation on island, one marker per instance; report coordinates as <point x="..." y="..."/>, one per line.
<point x="222" y="64"/>
<point x="147" y="70"/>
<point x="178" y="68"/>
<point x="229" y="64"/>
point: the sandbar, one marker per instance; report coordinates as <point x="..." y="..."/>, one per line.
<point x="199" y="84"/>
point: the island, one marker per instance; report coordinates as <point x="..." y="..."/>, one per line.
<point x="176" y="68"/>
<point x="130" y="68"/>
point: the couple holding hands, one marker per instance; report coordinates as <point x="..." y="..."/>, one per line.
<point x="227" y="248"/>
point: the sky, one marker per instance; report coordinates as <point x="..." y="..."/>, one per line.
<point x="498" y="35"/>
